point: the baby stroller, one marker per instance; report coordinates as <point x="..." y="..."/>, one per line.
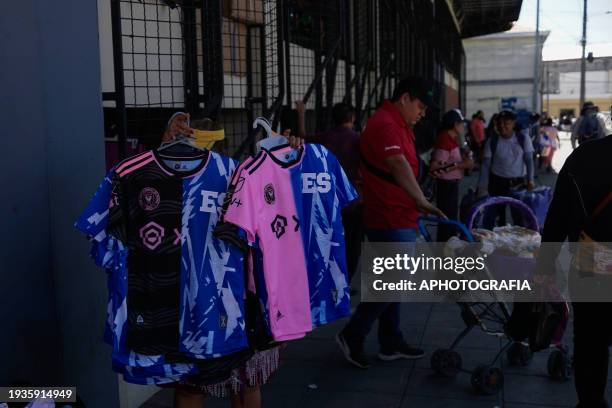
<point x="492" y="317"/>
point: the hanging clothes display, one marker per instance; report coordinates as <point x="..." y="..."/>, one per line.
<point x="175" y="291"/>
<point x="189" y="307"/>
<point x="292" y="208"/>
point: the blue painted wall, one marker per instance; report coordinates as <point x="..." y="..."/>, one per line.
<point x="52" y="297"/>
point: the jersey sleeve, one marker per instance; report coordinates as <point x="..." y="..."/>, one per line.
<point x="388" y="142"/>
<point x="94" y="219"/>
<point x="240" y="207"/>
<point x="117" y="210"/>
<point x="344" y="188"/>
<point x="93" y="222"/>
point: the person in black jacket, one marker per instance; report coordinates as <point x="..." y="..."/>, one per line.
<point x="583" y="183"/>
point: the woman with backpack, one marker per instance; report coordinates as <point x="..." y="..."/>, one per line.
<point x="507" y="164"/>
<point x="448" y="163"/>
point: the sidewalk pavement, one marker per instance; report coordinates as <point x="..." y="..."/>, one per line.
<point x="314" y="374"/>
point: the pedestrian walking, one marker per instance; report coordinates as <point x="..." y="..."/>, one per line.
<point x="507" y="164"/>
<point x="392" y="202"/>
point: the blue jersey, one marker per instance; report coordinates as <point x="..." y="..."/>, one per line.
<point x="323" y="237"/>
<point x="296" y="204"/>
<point x="210" y="282"/>
<point x="111" y="254"/>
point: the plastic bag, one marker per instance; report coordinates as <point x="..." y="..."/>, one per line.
<point x="512" y="239"/>
<point x="538" y="200"/>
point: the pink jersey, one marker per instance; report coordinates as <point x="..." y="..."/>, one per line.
<point x="294" y="211"/>
<point x="289" y="305"/>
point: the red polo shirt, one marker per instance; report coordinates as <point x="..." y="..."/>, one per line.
<point x="385" y="205"/>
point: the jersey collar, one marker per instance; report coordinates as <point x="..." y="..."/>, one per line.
<point x="183" y="174"/>
<point x="282" y="148"/>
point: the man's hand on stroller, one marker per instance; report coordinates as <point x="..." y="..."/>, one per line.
<point x="428" y="208"/>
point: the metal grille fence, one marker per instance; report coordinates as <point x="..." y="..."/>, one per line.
<point x="234" y="60"/>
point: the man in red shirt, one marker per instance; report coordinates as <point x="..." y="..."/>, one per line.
<point x="392" y="202"/>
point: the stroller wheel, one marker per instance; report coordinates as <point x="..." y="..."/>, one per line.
<point x="487" y="380"/>
<point x="446" y="362"/>
<point x="559" y="365"/>
<point x="519" y="354"/>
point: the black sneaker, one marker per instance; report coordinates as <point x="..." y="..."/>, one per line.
<point x="403" y="350"/>
<point x="356" y="356"/>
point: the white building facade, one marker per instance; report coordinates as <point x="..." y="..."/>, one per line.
<point x="502" y="67"/>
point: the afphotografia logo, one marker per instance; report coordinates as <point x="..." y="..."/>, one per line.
<point x="148" y="199"/>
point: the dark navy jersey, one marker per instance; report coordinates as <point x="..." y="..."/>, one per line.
<point x="184" y="288"/>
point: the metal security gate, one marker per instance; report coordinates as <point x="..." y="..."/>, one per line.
<point x="233" y="60"/>
<point x="196" y="56"/>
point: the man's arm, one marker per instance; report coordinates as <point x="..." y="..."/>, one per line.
<point x="485" y="170"/>
<point x="300" y="107"/>
<point x="528" y="159"/>
<point x="556" y="229"/>
<point x="574" y="136"/>
<point x="403" y="175"/>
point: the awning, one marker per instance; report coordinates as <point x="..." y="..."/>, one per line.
<point x="481" y="17"/>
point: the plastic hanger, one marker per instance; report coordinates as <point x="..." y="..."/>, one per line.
<point x="181" y="148"/>
<point x="272" y="140"/>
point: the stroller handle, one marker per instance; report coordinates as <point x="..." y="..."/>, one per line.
<point x="437" y="220"/>
<point x="529" y="217"/>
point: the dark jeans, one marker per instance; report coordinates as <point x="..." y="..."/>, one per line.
<point x="447" y="200"/>
<point x="387" y="314"/>
<point x="592" y="335"/>
<point x="353" y="236"/>
<point x="501" y="186"/>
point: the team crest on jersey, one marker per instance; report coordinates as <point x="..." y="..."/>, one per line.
<point x="278" y="225"/>
<point x="148" y="199"/>
<point x="269" y="195"/>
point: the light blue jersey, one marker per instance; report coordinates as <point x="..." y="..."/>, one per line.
<point x="321" y="192"/>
